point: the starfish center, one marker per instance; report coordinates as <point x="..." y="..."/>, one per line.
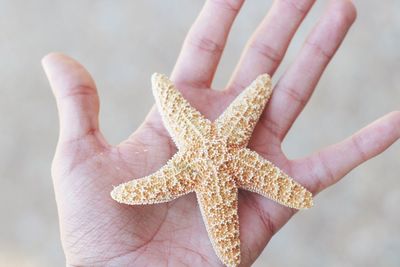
<point x="214" y="150"/>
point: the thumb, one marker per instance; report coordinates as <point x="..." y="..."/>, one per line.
<point x="76" y="96"/>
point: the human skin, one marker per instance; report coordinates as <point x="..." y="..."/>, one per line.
<point x="97" y="231"/>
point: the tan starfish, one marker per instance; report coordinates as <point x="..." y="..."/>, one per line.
<point x="213" y="162"/>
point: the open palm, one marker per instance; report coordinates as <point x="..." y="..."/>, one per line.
<point x="97" y="231"/>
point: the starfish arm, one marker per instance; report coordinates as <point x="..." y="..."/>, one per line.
<point x="184" y="123"/>
<point x="218" y="201"/>
<point x="261" y="176"/>
<point x="239" y="119"/>
<point x="173" y="180"/>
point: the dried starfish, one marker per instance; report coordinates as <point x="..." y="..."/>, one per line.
<point x="213" y="162"/>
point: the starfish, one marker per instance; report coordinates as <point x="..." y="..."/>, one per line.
<point x="214" y="162"/>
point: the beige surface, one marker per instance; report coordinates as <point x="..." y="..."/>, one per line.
<point x="122" y="43"/>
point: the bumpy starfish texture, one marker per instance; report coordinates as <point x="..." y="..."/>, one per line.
<point x="213" y="161"/>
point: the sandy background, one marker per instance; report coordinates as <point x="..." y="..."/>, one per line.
<point x="122" y="42"/>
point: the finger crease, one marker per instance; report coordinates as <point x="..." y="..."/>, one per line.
<point x="79" y="90"/>
<point x="271" y="126"/>
<point x="266" y="51"/>
<point x="206" y="45"/>
<point x="327" y="172"/>
<point x="293" y="94"/>
<point x="230" y="5"/>
<point x="319" y="50"/>
<point x="358" y="147"/>
<point x="296" y="6"/>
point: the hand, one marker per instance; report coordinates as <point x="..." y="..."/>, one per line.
<point x="97" y="231"/>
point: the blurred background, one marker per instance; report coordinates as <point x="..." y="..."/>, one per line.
<point x="355" y="223"/>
